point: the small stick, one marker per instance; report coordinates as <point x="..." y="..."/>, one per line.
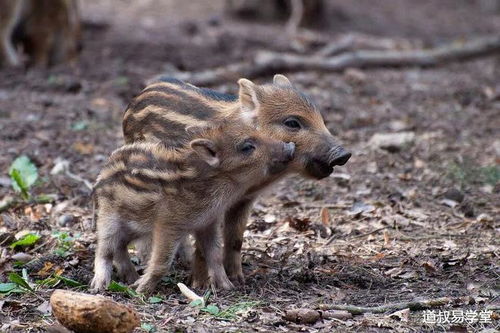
<point x="355" y="236"/>
<point x="415" y="305"/>
<point x="79" y="179"/>
<point x="295" y="17"/>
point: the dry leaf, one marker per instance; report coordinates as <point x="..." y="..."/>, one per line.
<point x="301" y="224"/>
<point x="378" y="256"/>
<point x="325" y="217"/>
<point x="402" y="315"/>
<point x="429" y="266"/>
<point x="46" y="269"/>
<point x="387" y="239"/>
<point x="83" y="148"/>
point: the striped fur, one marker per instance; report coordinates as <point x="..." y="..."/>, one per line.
<point x="148" y="189"/>
<point x="166" y="108"/>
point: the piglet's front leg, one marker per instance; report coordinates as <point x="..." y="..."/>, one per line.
<point x="208" y="240"/>
<point x="165" y="243"/>
<point x="234" y="228"/>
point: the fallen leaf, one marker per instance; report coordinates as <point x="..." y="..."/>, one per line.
<point x="22" y="257"/>
<point x="360" y="207"/>
<point x="44" y="308"/>
<point x="60" y="165"/>
<point x="378" y="256"/>
<point x="392" y="142"/>
<point x="387" y="239"/>
<point x="484" y="218"/>
<point x="83" y="148"/>
<point x="325" y="217"/>
<point x="46" y="269"/>
<point x="449" y="203"/>
<point x="300" y="224"/>
<point x="402" y="315"/>
<point x="429" y="267"/>
<point x="269" y="218"/>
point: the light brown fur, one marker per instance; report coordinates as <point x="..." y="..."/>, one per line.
<point x="146" y="188"/>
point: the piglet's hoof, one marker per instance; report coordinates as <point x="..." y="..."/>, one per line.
<point x="221" y="281"/>
<point x="237" y="279"/>
<point x="197" y="283"/>
<point x="144" y="286"/>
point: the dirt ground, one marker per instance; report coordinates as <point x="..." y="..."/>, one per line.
<point x="419" y="220"/>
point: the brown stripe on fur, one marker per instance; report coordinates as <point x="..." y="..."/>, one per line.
<point x="137" y="183"/>
<point x="123" y="178"/>
<point x="156" y="128"/>
<point x="187" y="104"/>
<point x="149" y="155"/>
<point x="109" y="170"/>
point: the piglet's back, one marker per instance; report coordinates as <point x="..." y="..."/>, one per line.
<point x="139" y="173"/>
<point x="164" y="109"/>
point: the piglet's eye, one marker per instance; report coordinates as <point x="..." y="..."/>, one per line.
<point x="292" y="123"/>
<point x="247" y="147"/>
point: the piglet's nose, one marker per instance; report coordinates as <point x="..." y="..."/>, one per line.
<point x="289" y="150"/>
<point x="340" y="158"/>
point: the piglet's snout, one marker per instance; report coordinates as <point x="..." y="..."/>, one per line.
<point x="339" y="156"/>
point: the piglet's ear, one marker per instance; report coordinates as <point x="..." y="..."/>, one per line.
<point x="281" y="80"/>
<point x="248" y="100"/>
<point x="206" y="150"/>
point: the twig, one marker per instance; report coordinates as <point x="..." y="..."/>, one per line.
<point x="334" y="206"/>
<point x="191" y="295"/>
<point x="272" y="62"/>
<point x="337" y="47"/>
<point x="415" y="305"/>
<point x="79" y="179"/>
<point x="295" y="17"/>
<point x="353" y="41"/>
<point x="355" y="236"/>
<point x="36" y="248"/>
<point x="404" y="237"/>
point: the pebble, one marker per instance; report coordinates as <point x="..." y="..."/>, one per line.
<point x="22" y="257"/>
<point x="65" y="220"/>
<point x="454" y="194"/>
<point x="392" y="142"/>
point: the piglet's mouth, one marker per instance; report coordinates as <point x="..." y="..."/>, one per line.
<point x="319" y="169"/>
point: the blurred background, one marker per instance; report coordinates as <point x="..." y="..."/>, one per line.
<point x="425" y="141"/>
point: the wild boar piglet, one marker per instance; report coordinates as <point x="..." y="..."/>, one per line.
<point x="163" y="110"/>
<point x="147" y="188"/>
